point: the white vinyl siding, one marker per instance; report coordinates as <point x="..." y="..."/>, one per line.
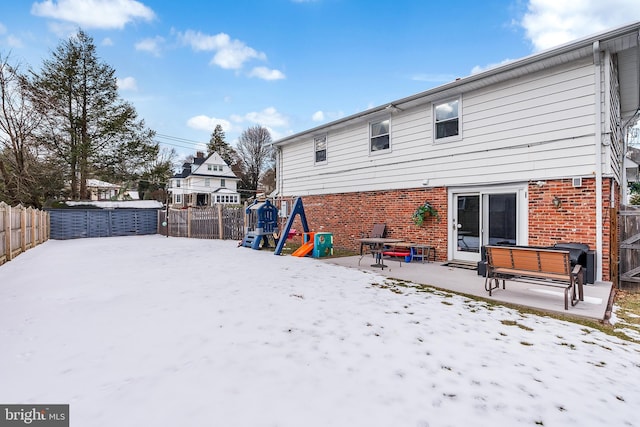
<point x="536" y="127"/>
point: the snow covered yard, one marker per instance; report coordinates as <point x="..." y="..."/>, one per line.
<point x="141" y="331"/>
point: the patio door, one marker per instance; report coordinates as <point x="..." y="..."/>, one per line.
<point x="494" y="215"/>
<point x="466" y="227"/>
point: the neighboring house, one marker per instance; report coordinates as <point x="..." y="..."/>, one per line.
<point x="530" y="152"/>
<point x="102" y="190"/>
<point x="204" y="182"/>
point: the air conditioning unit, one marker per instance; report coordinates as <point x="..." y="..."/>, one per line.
<point x="577" y="182"/>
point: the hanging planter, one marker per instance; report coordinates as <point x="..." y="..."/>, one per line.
<point x="424" y="211"/>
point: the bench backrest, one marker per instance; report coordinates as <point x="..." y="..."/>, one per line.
<point x="529" y="259"/>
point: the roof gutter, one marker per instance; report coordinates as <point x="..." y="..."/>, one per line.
<point x="581" y="48"/>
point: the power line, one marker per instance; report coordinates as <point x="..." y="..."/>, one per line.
<point x="179" y="139"/>
<point x="178" y="142"/>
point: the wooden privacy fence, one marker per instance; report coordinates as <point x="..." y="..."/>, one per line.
<point x="629" y="225"/>
<point x="216" y="222"/>
<point x="21" y="229"/>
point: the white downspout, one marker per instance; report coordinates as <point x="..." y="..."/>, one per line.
<point x="598" y="143"/>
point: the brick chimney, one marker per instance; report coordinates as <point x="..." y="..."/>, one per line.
<point x="200" y="155"/>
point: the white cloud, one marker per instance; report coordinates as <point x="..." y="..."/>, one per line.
<point x="208" y="124"/>
<point x="107" y="42"/>
<point x="321" y="116"/>
<point x="276" y="135"/>
<point x="318" y="116"/>
<point x="94" y="13"/>
<point x="267" y="117"/>
<point x="127" y="83"/>
<point x="199" y="41"/>
<point x="151" y="45"/>
<point x="549" y="23"/>
<point x="13" y="41"/>
<point x="230" y="54"/>
<point x="266" y="73"/>
<point x="479" y="69"/>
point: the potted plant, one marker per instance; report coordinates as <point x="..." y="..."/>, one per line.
<point x="424" y="210"/>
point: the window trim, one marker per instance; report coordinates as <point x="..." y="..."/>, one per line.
<point x="434" y="105"/>
<point x="315" y="152"/>
<point x="375" y="121"/>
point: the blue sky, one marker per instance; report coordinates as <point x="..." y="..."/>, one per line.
<point x="291" y="65"/>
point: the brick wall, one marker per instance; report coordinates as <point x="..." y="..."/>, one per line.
<point x="575" y="219"/>
<point x="350" y="216"/>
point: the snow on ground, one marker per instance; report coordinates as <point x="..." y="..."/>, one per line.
<point x="141" y="331"/>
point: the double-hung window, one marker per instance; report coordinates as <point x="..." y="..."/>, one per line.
<point x="320" y="148"/>
<point x="447" y="119"/>
<point x="379" y="135"/>
<point x="223" y="183"/>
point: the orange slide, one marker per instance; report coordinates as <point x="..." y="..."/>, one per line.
<point x="304" y="249"/>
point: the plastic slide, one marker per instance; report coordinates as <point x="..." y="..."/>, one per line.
<point x="304" y="250"/>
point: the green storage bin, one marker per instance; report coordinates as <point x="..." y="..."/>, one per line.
<point x="322" y="245"/>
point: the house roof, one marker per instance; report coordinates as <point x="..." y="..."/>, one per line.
<point x="91" y="182"/>
<point x="191" y="169"/>
<point x="623" y="40"/>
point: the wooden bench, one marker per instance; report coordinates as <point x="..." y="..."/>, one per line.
<point x="539" y="266"/>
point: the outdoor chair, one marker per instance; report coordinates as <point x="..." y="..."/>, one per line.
<point x="379" y="230"/>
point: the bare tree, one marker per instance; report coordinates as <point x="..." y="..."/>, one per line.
<point x="255" y="152"/>
<point x="18" y="150"/>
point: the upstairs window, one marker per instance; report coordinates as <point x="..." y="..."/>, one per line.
<point x="447" y="119"/>
<point x="379" y="135"/>
<point x="177" y="183"/>
<point x="222" y="183"/>
<point x="207" y="182"/>
<point x="320" y="148"/>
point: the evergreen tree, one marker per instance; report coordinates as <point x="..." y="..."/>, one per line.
<point x="218" y="145"/>
<point x="86" y="124"/>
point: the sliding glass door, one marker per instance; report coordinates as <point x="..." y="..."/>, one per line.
<point x="493" y="216"/>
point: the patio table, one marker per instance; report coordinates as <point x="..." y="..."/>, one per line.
<point x="377" y="245"/>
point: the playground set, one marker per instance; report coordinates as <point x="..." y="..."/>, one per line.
<point x="263" y="217"/>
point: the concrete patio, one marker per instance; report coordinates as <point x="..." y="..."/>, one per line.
<point x="465" y="281"/>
